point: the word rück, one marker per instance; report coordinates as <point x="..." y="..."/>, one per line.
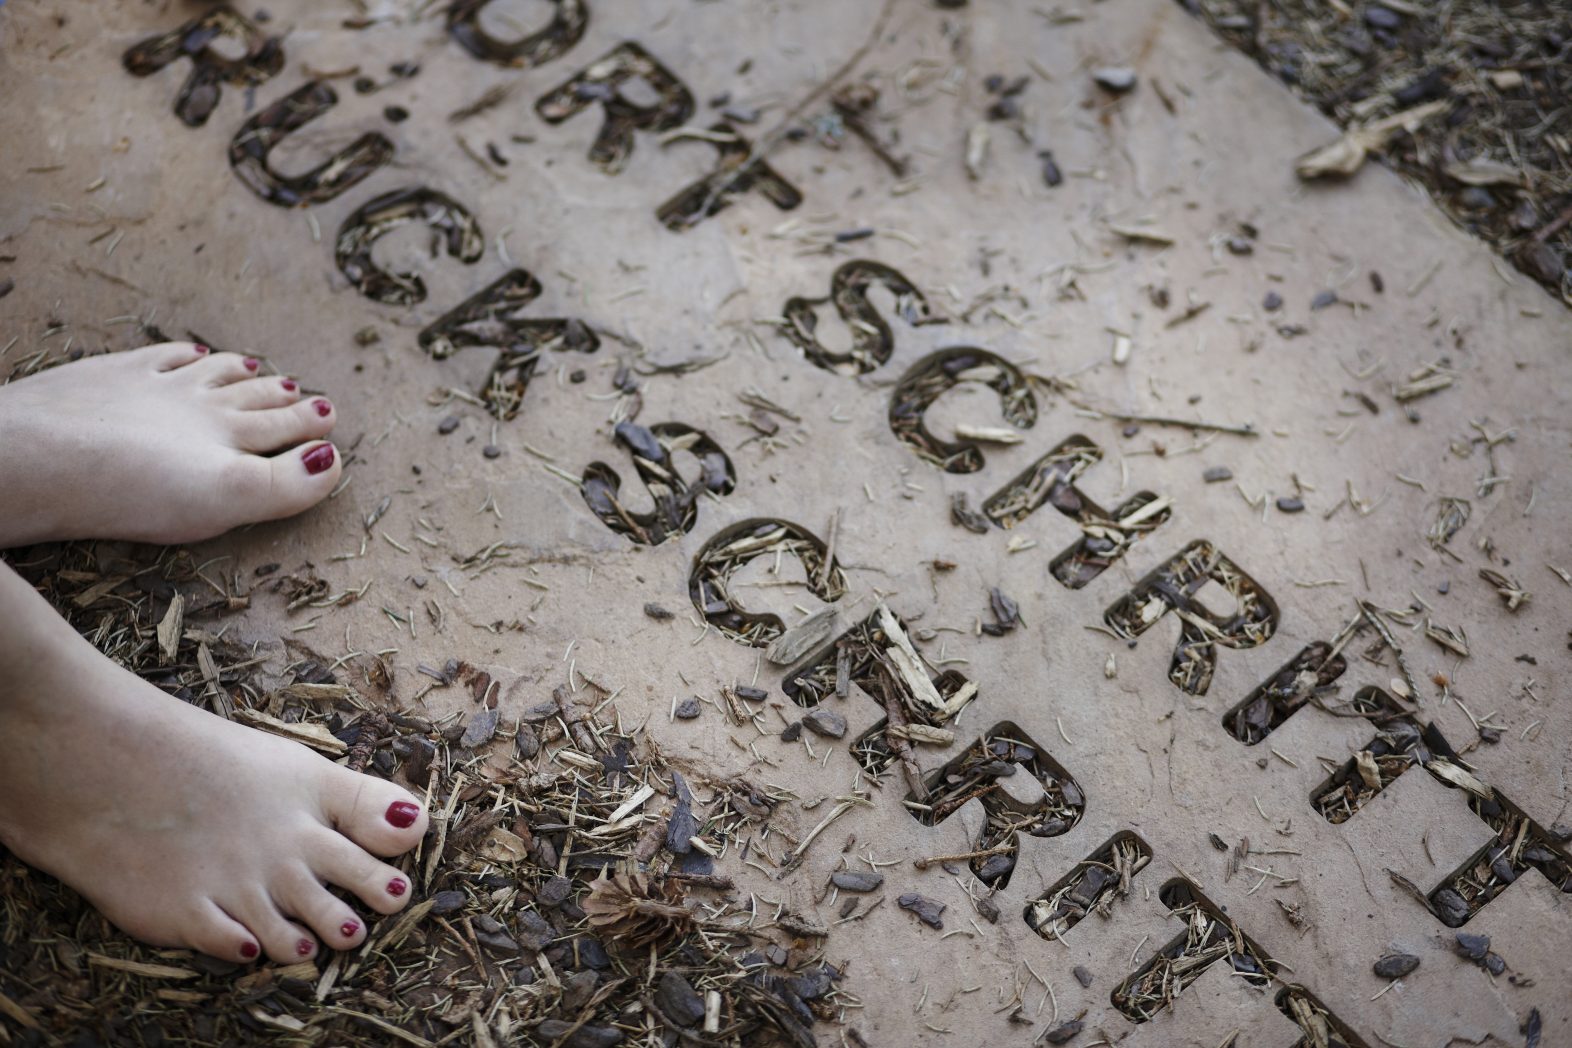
<point x="491" y="316"/>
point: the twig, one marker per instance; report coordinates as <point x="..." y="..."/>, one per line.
<point x="574" y="716"/>
<point x="762" y="147"/>
<point x="896" y="718"/>
<point x="1247" y="430"/>
<point x="997" y="849"/>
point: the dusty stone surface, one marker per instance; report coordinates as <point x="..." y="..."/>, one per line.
<point x="113" y="208"/>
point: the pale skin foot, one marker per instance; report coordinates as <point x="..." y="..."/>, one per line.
<point x="169" y="443"/>
<point x="183" y="828"/>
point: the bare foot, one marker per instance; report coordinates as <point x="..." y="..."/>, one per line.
<point x="183" y="828"/>
<point x="163" y="444"/>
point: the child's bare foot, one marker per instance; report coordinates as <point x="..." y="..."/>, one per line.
<point x="183" y="828"/>
<point x="163" y="444"/>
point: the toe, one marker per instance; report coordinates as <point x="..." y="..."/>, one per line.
<point x="283" y="941"/>
<point x="382" y="818"/>
<point x="330" y="917"/>
<point x="287" y="483"/>
<point x="253" y="394"/>
<point x="167" y="356"/>
<point x="220" y="369"/>
<point x="271" y="428"/>
<point x="339" y="861"/>
<point x="217" y="934"/>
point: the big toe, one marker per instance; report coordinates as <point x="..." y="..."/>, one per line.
<point x="283" y="485"/>
<point x="382" y="818"/>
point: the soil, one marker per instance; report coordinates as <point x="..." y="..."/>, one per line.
<point x="1498" y="160"/>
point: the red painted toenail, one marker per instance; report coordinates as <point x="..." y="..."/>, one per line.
<point x="248" y="950"/>
<point x="201" y="348"/>
<point x="290" y="385"/>
<point x="403" y="813"/>
<point x="397" y="886"/>
<point x="304" y="947"/>
<point x="323" y="407"/>
<point x="251" y="363"/>
<point x="348" y="929"/>
<point x="318" y="459"/>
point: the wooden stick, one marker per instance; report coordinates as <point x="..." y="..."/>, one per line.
<point x="1246" y="430"/>
<point x="573" y="715"/>
<point x="785" y="124"/>
<point x="997" y="849"/>
<point x="896" y="718"/>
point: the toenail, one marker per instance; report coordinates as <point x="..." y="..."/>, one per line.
<point x="251" y="363"/>
<point x="248" y="950"/>
<point x="304" y="947"/>
<point x="403" y="813"/>
<point x="318" y="459"/>
<point x="397" y="886"/>
<point x="290" y="385"/>
<point x="201" y="348"/>
<point x="348" y="929"/>
<point x="323" y="407"/>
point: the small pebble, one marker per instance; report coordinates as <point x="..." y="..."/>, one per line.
<point x="1477" y="198"/>
<point x="1524" y="218"/>
<point x="1082" y="976"/>
<point x="1378" y="17"/>
<point x="927" y="910"/>
<point x="576" y="376"/>
<point x="448" y="425"/>
<point x="856" y="880"/>
<point x="1052" y="176"/>
<point x="396" y="114"/>
<point x="826" y="723"/>
<point x="1272" y="302"/>
<point x="1117" y="79"/>
<point x="1217" y="474"/>
<point x="1007" y="108"/>
<point x="491" y="451"/>
<point x="1396" y="965"/>
<point x="1291" y="504"/>
<point x="792" y="732"/>
<point x="1323" y="299"/>
<point x="656" y="612"/>
<point x="1474" y="947"/>
<point x="688" y="709"/>
<point x="1064" y="1033"/>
